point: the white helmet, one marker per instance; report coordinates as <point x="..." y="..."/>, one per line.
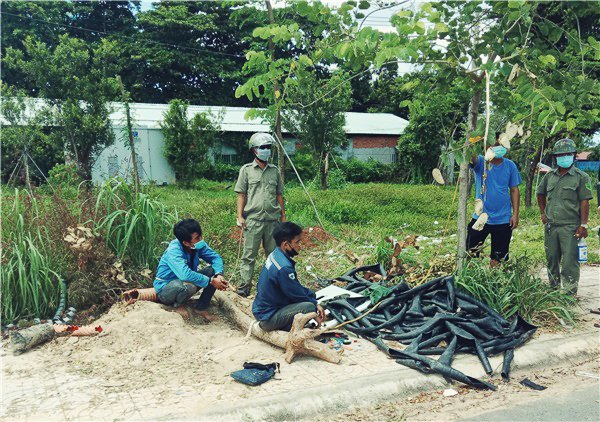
<point x="260" y="139"/>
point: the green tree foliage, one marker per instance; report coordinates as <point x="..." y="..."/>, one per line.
<point x="435" y="109"/>
<point x="185" y="50"/>
<point x="474" y="41"/>
<point x="73" y="78"/>
<point x="28" y="152"/>
<point x="90" y="21"/>
<point x="319" y="125"/>
<point x="188" y="141"/>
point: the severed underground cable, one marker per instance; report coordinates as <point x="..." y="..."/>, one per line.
<point x="433" y="318"/>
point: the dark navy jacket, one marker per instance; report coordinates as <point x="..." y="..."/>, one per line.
<point x="278" y="286"/>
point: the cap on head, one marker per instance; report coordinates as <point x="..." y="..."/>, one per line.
<point x="564" y="146"/>
<point x="260" y="139"/>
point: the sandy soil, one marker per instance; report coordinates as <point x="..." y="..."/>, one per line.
<point x="144" y="346"/>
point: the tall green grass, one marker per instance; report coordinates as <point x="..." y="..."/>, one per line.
<point x="28" y="279"/>
<point x="133" y="223"/>
<point x="512" y="288"/>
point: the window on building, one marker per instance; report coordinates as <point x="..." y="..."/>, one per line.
<point x="231" y="158"/>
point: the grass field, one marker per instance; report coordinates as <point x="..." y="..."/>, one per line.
<point x="357" y="218"/>
<point x="360" y="216"/>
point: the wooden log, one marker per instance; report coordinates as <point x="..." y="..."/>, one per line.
<point x="298" y="341"/>
<point x="27" y="338"/>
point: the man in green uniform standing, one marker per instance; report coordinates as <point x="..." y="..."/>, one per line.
<point x="260" y="206"/>
<point x="564" y="196"/>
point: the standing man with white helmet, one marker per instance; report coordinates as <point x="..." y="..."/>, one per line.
<point x="260" y="205"/>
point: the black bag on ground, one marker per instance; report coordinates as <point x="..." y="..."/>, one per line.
<point x="255" y="373"/>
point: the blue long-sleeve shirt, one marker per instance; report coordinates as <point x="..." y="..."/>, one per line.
<point x="278" y="286"/>
<point x="176" y="264"/>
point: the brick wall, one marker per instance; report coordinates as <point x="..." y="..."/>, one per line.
<point x="374" y="141"/>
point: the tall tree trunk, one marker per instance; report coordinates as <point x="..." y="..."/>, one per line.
<point x="531" y="172"/>
<point x="27" y="175"/>
<point x="463" y="189"/>
<point x="125" y="99"/>
<point x="280" y="152"/>
<point x="276" y="94"/>
<point x="324" y="170"/>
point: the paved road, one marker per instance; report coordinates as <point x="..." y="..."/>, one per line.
<point x="580" y="405"/>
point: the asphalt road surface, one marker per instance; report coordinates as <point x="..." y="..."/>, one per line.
<point x="578" y="405"/>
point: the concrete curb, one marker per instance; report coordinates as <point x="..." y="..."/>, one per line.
<point x="336" y="397"/>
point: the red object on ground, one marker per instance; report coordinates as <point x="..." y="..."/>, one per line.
<point x="88" y="330"/>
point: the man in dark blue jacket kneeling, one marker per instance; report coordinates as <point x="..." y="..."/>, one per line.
<point x="280" y="296"/>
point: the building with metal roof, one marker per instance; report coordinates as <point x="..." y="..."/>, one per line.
<point x="370" y="136"/>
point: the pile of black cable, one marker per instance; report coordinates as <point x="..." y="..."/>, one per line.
<point x="433" y="318"/>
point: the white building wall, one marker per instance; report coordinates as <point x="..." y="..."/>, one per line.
<point x="115" y="160"/>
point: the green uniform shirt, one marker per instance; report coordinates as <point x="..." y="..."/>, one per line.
<point x="261" y="188"/>
<point x="564" y="195"/>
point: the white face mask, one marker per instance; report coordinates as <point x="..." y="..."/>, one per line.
<point x="263" y="154"/>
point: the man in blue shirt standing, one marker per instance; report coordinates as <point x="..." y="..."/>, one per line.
<point x="500" y="198"/>
<point x="177" y="276"/>
<point x="280" y="296"/>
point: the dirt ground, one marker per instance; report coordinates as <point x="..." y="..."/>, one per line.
<point x="143" y="347"/>
<point x="149" y="363"/>
<point x="434" y="406"/>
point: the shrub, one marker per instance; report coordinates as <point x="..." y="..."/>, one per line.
<point x="336" y="179"/>
<point x="133" y="223"/>
<point x="511" y="288"/>
<point x="29" y="281"/>
<point x="221" y="172"/>
<point x="357" y="171"/>
<point x="305" y="163"/>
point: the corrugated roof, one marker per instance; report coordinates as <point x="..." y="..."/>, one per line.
<point x="151" y="115"/>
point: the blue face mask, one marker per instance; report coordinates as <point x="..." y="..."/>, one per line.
<point x="565" y="161"/>
<point x="263" y="154"/>
<point x="201" y="244"/>
<point x="499" y="151"/>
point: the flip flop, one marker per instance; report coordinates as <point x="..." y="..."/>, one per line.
<point x="595" y="311"/>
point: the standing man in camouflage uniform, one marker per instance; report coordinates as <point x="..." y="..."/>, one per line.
<point x="564" y="199"/>
<point x="259" y="205"/>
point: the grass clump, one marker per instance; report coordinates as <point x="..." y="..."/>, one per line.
<point x="134" y="223"/>
<point x="511" y="288"/>
<point x="28" y="280"/>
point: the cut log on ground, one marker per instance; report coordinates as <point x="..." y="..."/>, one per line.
<point x="298" y="341"/>
<point x="27" y="338"/>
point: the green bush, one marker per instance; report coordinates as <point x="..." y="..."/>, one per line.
<point x="336" y="179"/>
<point x="305" y="163"/>
<point x="133" y="224"/>
<point x="370" y="171"/>
<point x="222" y="172"/>
<point x="29" y="281"/>
<point x="512" y="288"/>
<point x="64" y="175"/>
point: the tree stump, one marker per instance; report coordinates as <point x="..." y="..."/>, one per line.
<point x="301" y="340"/>
<point x="298" y="341"/>
<point x="24" y="340"/>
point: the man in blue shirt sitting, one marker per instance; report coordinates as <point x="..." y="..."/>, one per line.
<point x="177" y="276"/>
<point x="500" y="198"/>
<point x="280" y="296"/>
